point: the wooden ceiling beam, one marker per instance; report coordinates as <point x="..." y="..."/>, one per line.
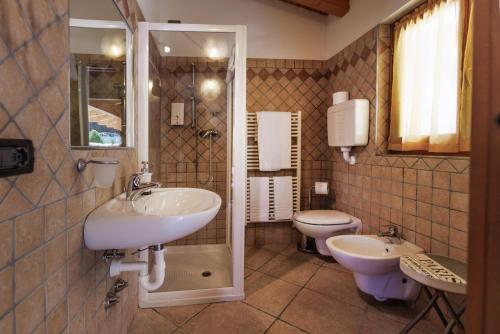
<point x="328" y="7"/>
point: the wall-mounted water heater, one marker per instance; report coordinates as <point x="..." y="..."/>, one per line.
<point x="348" y="122"/>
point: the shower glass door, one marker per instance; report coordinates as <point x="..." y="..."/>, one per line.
<point x="195" y="102"/>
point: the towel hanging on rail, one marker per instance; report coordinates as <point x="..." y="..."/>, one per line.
<point x="283" y="197"/>
<point x="259" y="199"/>
<point x="274" y="140"/>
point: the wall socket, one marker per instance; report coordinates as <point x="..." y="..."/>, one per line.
<point x="16" y="157"/>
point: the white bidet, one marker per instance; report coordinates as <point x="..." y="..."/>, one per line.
<point x="374" y="262"/>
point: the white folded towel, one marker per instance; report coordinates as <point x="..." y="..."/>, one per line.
<point x="259" y="199"/>
<point x="283" y="197"/>
<point x="274" y="139"/>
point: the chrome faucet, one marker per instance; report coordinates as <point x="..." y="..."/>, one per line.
<point x="392" y="234"/>
<point x="135" y="188"/>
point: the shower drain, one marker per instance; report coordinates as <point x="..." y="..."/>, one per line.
<point x="206" y="273"/>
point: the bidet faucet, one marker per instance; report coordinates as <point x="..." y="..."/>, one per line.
<point x="135" y="188"/>
<point x="392" y="233"/>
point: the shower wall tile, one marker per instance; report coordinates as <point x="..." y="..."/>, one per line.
<point x="178" y="153"/>
<point x="426" y="196"/>
<point x="47" y="276"/>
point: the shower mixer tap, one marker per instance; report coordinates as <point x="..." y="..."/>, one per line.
<point x="210" y="133"/>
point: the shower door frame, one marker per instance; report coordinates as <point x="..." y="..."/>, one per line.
<point x="236" y="204"/>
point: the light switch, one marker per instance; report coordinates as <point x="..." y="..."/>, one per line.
<point x="177" y="114"/>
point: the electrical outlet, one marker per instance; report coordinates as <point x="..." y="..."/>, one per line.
<point x="16" y="157"/>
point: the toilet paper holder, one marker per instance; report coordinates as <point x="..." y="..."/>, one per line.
<point x="319" y="188"/>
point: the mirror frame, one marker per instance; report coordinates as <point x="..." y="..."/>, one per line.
<point x="129" y="91"/>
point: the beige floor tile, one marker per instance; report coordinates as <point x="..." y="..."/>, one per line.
<point x="248" y="272"/>
<point x="316" y="313"/>
<point x="256" y="257"/>
<point x="180" y="314"/>
<point x="276" y="247"/>
<point x="269" y="294"/>
<point x="280" y="327"/>
<point x="290" y="270"/>
<point x="402" y="312"/>
<point x="337" y="266"/>
<point x="330" y="303"/>
<point x="377" y="324"/>
<point x="229" y="318"/>
<point x="147" y="321"/>
<point x="337" y="284"/>
<point x="292" y="252"/>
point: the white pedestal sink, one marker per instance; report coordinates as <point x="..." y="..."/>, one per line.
<point x="166" y="215"/>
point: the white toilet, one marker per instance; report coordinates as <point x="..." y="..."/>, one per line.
<point x="323" y="224"/>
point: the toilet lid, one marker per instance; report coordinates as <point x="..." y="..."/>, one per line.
<point x="322" y="217"/>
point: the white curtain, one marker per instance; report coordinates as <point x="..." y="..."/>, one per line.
<point x="426" y="63"/>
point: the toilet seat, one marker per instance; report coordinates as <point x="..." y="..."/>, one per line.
<point x="322" y="224"/>
<point x="322" y="217"/>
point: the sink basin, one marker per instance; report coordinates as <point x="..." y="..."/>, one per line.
<point x="166" y="215"/>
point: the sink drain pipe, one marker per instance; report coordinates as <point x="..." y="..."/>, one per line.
<point x="142" y="266"/>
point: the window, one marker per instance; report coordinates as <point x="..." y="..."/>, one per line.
<point x="431" y="88"/>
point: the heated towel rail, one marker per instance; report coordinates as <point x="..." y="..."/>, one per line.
<point x="253" y="163"/>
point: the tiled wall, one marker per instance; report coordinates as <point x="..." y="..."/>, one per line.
<point x="426" y="196"/>
<point x="178" y="143"/>
<point x="48" y="280"/>
<point x="272" y="84"/>
<point x="292" y="85"/>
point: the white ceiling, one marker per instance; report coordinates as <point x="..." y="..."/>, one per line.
<point x="92" y="40"/>
<point x="95" y="41"/>
<point x="94" y="10"/>
<point x="194" y="44"/>
<point x="277" y="29"/>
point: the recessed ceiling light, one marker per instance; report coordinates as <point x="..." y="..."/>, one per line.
<point x="213" y="52"/>
<point x="166" y="49"/>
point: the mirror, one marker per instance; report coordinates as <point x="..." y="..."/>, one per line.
<point x="101" y="103"/>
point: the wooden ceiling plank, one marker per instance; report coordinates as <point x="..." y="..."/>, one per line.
<point x="333" y="7"/>
<point x="336" y="7"/>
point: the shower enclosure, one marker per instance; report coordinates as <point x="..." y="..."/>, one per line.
<point x="191" y="98"/>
